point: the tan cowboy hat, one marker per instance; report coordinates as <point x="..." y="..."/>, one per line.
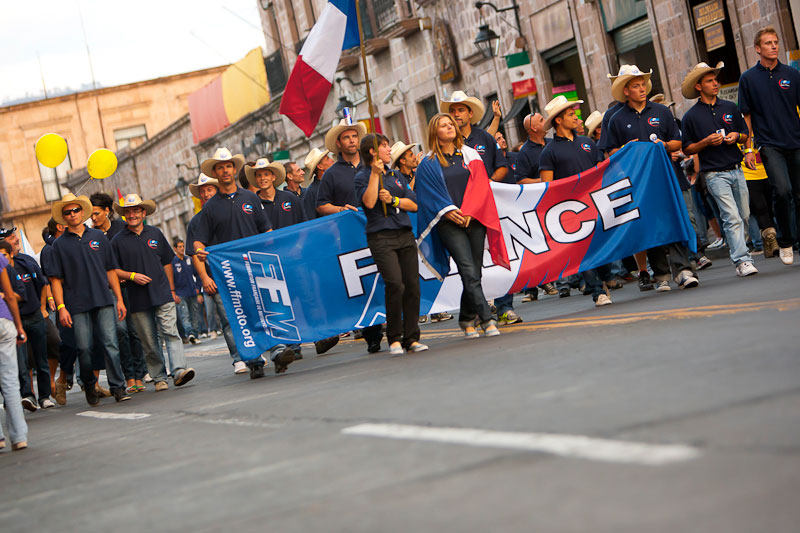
<point x="222" y="154"/>
<point x="626" y="74"/>
<point x="333" y="134"/>
<point x="202" y="179"/>
<point x="314" y="157"/>
<point x="556" y="106"/>
<point x="398" y="149"/>
<point x="277" y="169"/>
<point x="69" y="198"/>
<point x="460" y="97"/>
<point x="134" y="200"/>
<point x="694" y="76"/>
<point x="661" y="99"/>
<point x="592" y="121"/>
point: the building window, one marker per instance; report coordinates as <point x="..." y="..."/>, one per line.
<point x="397" y="127"/>
<point x="52" y="178"/>
<point x="427" y="108"/>
<point x="130" y="137"/>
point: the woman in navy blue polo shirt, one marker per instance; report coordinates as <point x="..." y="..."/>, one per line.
<point x="391" y="240"/>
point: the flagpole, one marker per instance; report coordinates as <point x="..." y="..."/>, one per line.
<point x="369" y="93"/>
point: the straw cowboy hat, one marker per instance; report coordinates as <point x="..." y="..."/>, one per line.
<point x="222" y="154"/>
<point x="69" y="198"/>
<point x="202" y="179"/>
<point x="134" y="200"/>
<point x="661" y="99"/>
<point x="556" y="106"/>
<point x="314" y="157"/>
<point x="694" y="77"/>
<point x="398" y="149"/>
<point x="592" y="121"/>
<point x="333" y="134"/>
<point x="460" y="97"/>
<point x="626" y="74"/>
<point x="277" y="169"/>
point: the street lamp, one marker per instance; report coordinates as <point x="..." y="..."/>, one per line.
<point x="487" y="41"/>
<point x="181" y="184"/>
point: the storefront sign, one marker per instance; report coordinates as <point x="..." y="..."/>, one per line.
<point x="729" y="92"/>
<point x="793" y="58"/>
<point x="552" y="26"/>
<point x="708" y="13"/>
<point x="715" y="37"/>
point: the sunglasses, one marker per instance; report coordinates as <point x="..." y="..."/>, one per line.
<point x="73" y="211"/>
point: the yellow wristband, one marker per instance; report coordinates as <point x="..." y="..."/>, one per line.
<point x="198" y="250"/>
<point x="132" y="275"/>
<point x="50" y="298"/>
<point x="749" y="151"/>
<point x="59" y="307"/>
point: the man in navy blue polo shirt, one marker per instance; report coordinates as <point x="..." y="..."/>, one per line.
<point x="295" y="177"/>
<point x="511" y="158"/>
<point x="187" y="287"/>
<point x="316" y="162"/>
<point x="712" y="128"/>
<point x="82" y="270"/>
<point x="337" y="191"/>
<point x="283" y="208"/>
<point x="567" y="155"/>
<point x="232" y="213"/>
<point x="769" y="94"/>
<point x="527" y="170"/>
<point x="145" y="259"/>
<point x="645" y="121"/>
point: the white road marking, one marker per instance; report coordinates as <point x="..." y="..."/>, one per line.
<point x="578" y="446"/>
<point x="114" y="416"/>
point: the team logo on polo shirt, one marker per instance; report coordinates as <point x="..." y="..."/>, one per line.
<point x="152" y="243"/>
<point x="586" y="147"/>
<point x="784" y="84"/>
<point x="397" y="181"/>
<point x="247" y="208"/>
<point x="727" y="118"/>
<point x="26" y="278"/>
<point x="178" y="268"/>
<point x="654" y="121"/>
<point x="94" y="245"/>
<point x="480" y="148"/>
<point x="286" y="206"/>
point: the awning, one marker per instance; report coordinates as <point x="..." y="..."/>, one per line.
<point x="520" y="104"/>
<point x="488" y="115"/>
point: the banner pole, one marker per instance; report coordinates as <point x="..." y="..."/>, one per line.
<point x="369" y="93"/>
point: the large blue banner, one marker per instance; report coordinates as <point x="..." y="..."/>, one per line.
<point x="317" y="279"/>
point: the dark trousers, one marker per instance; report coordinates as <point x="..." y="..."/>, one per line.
<point x="68" y="351"/>
<point x="761" y="203"/>
<point x="662" y="265"/>
<point x="395" y="255"/>
<point x="465" y="246"/>
<point x="594" y="279"/>
<point x="783" y="174"/>
<point x="131" y="355"/>
<point x="36" y="333"/>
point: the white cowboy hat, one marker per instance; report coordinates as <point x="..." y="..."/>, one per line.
<point x="58" y="206"/>
<point x="333" y="134"/>
<point x="398" y="149"/>
<point x="134" y="200"/>
<point x="314" y="157"/>
<point x="592" y="121"/>
<point x="556" y="106"/>
<point x="202" y="179"/>
<point x="694" y="76"/>
<point x="277" y="169"/>
<point x="460" y="97"/>
<point x="222" y="154"/>
<point x="661" y="99"/>
<point x="626" y="74"/>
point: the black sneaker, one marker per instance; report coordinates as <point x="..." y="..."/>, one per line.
<point x="374" y="347"/>
<point x="120" y="395"/>
<point x="29" y="404"/>
<point x="563" y="292"/>
<point x="326" y="344"/>
<point x="256" y="371"/>
<point x="91" y="396"/>
<point x="283" y="360"/>
<point x="645" y="282"/>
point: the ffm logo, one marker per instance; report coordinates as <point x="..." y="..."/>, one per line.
<point x="273" y="296"/>
<point x="784" y="84"/>
<point x="654" y="121"/>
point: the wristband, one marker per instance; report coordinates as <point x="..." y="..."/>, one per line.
<point x="50" y="298"/>
<point x="198" y="250"/>
<point x="749" y="151"/>
<point x="395" y="201"/>
<point x="133" y="274"/>
<point x="59" y="307"/>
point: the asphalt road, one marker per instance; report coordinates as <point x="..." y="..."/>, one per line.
<point x="662" y="412"/>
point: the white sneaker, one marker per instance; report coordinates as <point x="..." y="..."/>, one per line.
<point x="663" y="286"/>
<point x="746" y="268"/>
<point x="719" y="243"/>
<point x="239" y="367"/>
<point x="787" y="255"/>
<point x="47" y="403"/>
<point x="686" y="280"/>
<point x="602" y="300"/>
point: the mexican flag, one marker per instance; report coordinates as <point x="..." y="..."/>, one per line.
<point x="520" y="71"/>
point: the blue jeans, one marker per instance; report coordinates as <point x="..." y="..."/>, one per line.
<point x="226" y="328"/>
<point x="504" y="304"/>
<point x="36" y="333"/>
<point x="189" y="315"/>
<point x="165" y="319"/>
<point x="783" y="173"/>
<point x="131" y="355"/>
<point x="729" y="190"/>
<point x="211" y="314"/>
<point x="9" y="384"/>
<point x="103" y="320"/>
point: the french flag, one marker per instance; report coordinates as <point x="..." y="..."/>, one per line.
<point x="434" y="201"/>
<point x="312" y="76"/>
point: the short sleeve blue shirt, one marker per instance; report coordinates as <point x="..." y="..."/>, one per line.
<point x="82" y="263"/>
<point x="701" y="120"/>
<point x="146" y="253"/>
<point x="486" y="145"/>
<point x="602" y="144"/>
<point x="528" y="161"/>
<point x="227" y="217"/>
<point x="33" y="281"/>
<point x="628" y="124"/>
<point x="569" y="157"/>
<point x="771" y="98"/>
<point x="186" y="284"/>
<point x="395" y="182"/>
<point x="284" y="210"/>
<point x="310" y="200"/>
<point x="456" y="177"/>
<point x="337" y="184"/>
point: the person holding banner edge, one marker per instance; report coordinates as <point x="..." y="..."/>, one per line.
<point x="391" y="241"/>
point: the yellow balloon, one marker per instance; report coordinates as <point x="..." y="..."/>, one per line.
<point x="101" y="164"/>
<point x="51" y="150"/>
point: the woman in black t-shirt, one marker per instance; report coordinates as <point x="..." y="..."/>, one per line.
<point x="391" y="240"/>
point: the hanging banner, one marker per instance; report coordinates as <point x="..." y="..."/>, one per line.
<point x="317" y="279"/>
